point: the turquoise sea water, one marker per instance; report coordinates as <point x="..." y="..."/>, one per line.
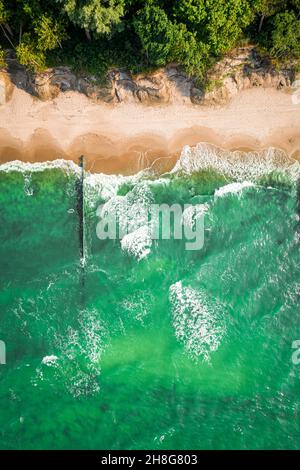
<point x="151" y="346"/>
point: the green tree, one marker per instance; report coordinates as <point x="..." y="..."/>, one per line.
<point x="217" y="23"/>
<point x="225" y="23"/>
<point x="285" y="39"/>
<point x="267" y="8"/>
<point x="28" y="54"/>
<point x="144" y="33"/>
<point x="191" y="12"/>
<point x="296" y="5"/>
<point x="99" y="16"/>
<point x="163" y="41"/>
<point x="191" y="53"/>
<point x="4" y="14"/>
<point x="4" y="26"/>
<point x="156" y="33"/>
<point x="3" y="19"/>
<point x="2" y="58"/>
<point x="49" y="33"/>
<point x="42" y="25"/>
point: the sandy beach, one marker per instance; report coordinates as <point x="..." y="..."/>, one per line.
<point x="128" y="137"/>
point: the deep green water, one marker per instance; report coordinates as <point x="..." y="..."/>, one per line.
<point x="178" y="350"/>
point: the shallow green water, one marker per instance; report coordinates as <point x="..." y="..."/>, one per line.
<point x="178" y="350"/>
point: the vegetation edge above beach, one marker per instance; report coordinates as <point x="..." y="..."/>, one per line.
<point x="94" y="36"/>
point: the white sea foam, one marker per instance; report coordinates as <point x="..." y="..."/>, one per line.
<point x="192" y="213"/>
<point x="130" y="210"/>
<point x="100" y="185"/>
<point x="67" y="165"/>
<point x="198" y="321"/>
<point x="138" y="303"/>
<point x="50" y="360"/>
<point x="138" y="243"/>
<point x="81" y="351"/>
<point x="237" y="165"/>
<point x="233" y="188"/>
<point x="27" y="185"/>
<point x="131" y="213"/>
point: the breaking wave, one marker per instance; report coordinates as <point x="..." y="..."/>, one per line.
<point x="198" y="321"/>
<point x="237" y="165"/>
<point x="26" y="167"/>
<point x="233" y="188"/>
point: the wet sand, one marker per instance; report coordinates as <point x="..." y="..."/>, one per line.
<point x="126" y="138"/>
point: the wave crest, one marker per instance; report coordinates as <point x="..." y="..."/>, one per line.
<point x="237" y="165"/>
<point x="197" y="320"/>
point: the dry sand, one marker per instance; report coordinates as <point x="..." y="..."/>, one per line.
<point x="125" y="138"/>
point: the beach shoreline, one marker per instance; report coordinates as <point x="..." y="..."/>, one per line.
<point x="129" y="137"/>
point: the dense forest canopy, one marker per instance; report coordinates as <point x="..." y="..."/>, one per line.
<point x="92" y="35"/>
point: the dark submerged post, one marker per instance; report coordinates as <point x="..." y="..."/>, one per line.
<point x="80" y="209"/>
<point x="298" y="204"/>
<point x="80" y="213"/>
